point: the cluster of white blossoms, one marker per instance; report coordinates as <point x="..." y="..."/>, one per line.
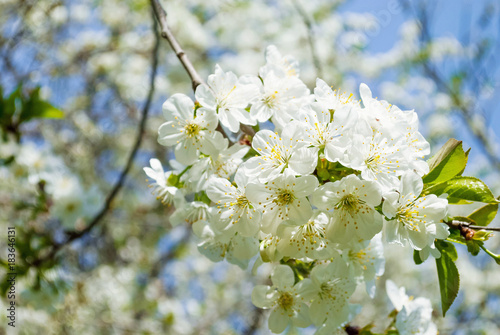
<point x="66" y="197"/>
<point x="324" y="180"/>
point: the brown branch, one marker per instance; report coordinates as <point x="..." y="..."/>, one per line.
<point x="166" y="33"/>
<point x="457" y="224"/>
<point x="73" y="235"/>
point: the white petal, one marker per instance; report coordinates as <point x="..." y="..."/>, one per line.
<point x="263" y="296"/>
<point x="178" y="105"/>
<point x="205" y="97"/>
<point x="186" y="152"/>
<point x="283" y="277"/>
<point x="278" y="320"/>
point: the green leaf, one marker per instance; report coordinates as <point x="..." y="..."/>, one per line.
<point x="37" y="108"/>
<point x="43" y="109"/>
<point x="464" y="189"/>
<point x="473" y="247"/>
<point x="448" y="162"/>
<point x="466" y="160"/>
<point x="449" y="279"/>
<point x="416" y="257"/>
<point x="484" y="215"/>
<point x="8" y="106"/>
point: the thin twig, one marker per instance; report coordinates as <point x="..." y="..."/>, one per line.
<point x="257" y="316"/>
<point x="479" y="134"/>
<point x="73" y="235"/>
<point x="458" y="224"/>
<point x="310" y="36"/>
<point x="484" y="228"/>
<point x="166" y="33"/>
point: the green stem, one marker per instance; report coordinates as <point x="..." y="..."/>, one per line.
<point x="183" y="171"/>
<point x="491" y="254"/>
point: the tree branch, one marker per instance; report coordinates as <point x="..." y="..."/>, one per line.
<point x="73" y="235"/>
<point x="457" y="224"/>
<point x="257" y="316"/>
<point x="310" y="36"/>
<point x="166" y="33"/>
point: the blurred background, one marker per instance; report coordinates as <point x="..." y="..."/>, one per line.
<point x="82" y="80"/>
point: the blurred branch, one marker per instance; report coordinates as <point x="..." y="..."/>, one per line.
<point x="166" y="33"/>
<point x="465" y="110"/>
<point x="73" y="235"/>
<point x="467" y="114"/>
<point x="257" y="316"/>
<point x="310" y="36"/>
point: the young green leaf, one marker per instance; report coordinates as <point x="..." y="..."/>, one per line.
<point x="473" y="247"/>
<point x="484" y="215"/>
<point x="35" y="107"/>
<point x="449" y="279"/>
<point x="464" y="189"/>
<point x="8" y="107"/>
<point x="448" y="162"/>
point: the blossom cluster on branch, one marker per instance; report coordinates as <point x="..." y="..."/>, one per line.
<point x="319" y="187"/>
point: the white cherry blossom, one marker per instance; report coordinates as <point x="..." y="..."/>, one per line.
<point x="414" y="315"/>
<point x="380" y="157"/>
<point x="280" y="98"/>
<point x="233" y="206"/>
<point x="164" y="192"/>
<point x="332" y="99"/>
<point x="217" y="245"/>
<point x="352" y="203"/>
<point x="282" y="66"/>
<point x="417" y="145"/>
<point x="330" y="288"/>
<point x="366" y="261"/>
<point x="381" y="114"/>
<point x="226" y="96"/>
<point x="190" y="133"/>
<point x="222" y="162"/>
<point x="327" y="130"/>
<point x="307" y="240"/>
<point x="283" y="198"/>
<point x="278" y="154"/>
<point x="412" y="218"/>
<point x="284" y="298"/>
<point x="189" y="212"/>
